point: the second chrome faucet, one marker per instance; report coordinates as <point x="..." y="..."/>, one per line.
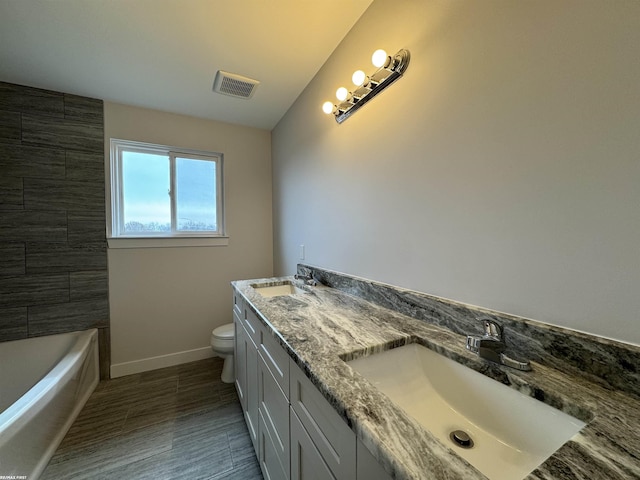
<point x="491" y="346"/>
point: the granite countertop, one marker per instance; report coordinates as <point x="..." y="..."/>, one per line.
<point x="324" y="326"/>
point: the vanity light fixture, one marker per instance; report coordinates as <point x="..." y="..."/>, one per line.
<point x="367" y="87"/>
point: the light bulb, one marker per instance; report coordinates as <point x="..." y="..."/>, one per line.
<point x="342" y="93"/>
<point x="327" y="107"/>
<point x="358" y="77"/>
<point x="379" y="58"/>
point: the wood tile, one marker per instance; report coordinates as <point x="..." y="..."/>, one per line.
<point x="85" y="166"/>
<point x="104" y="352"/>
<point x="161" y="374"/>
<point x="244" y="471"/>
<point x="96" y="423"/>
<point x="41" y="132"/>
<point x="241" y="447"/>
<point x="19" y="98"/>
<point x="31" y="226"/>
<point x="67" y="317"/>
<point x="50" y="194"/>
<point x="161" y="407"/>
<point x="191" y="462"/>
<point x="10" y="127"/>
<point x="197" y="399"/>
<point x="24" y="290"/>
<point x="224" y="417"/>
<point x="88" y="285"/>
<point x="34" y="162"/>
<point x="83" y="109"/>
<point x="210" y="442"/>
<point x="89" y="461"/>
<point x="211" y="364"/>
<point x="156" y="467"/>
<point x="60" y="257"/>
<point x="118" y="386"/>
<point x="199" y="378"/>
<point x="13" y="324"/>
<point x="12" y="261"/>
<point x="54" y="132"/>
<point x="86" y="227"/>
<point x="11" y="193"/>
<point x="199" y="459"/>
<point x="205" y="448"/>
<point x="154" y="389"/>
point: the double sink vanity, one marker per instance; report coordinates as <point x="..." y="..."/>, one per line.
<point x="344" y="378"/>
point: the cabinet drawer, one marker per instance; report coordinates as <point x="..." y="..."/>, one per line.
<point x="330" y="434"/>
<point x="274" y="411"/>
<point x="276" y="359"/>
<point x="251" y="323"/>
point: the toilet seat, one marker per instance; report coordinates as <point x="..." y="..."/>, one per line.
<point x="225" y="332"/>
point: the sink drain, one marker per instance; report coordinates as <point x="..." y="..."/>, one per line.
<point x="461" y="439"/>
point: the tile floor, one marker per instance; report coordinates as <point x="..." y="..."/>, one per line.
<point x="175" y="423"/>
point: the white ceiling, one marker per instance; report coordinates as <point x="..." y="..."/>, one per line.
<point x="164" y="54"/>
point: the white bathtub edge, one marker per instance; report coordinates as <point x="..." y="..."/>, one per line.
<point x="74" y="414"/>
<point x="161" y="361"/>
<point x="32" y="428"/>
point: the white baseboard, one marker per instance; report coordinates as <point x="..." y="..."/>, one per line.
<point x="162" y="361"/>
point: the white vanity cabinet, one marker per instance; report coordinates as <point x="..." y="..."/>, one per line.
<point x="367" y="467"/>
<point x="246" y="365"/>
<point x="240" y="360"/>
<point x="325" y="443"/>
<point x="296" y="433"/>
<point x="273" y="394"/>
<point x="306" y="461"/>
<point x="262" y="383"/>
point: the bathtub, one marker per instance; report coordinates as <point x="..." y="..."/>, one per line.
<point x="44" y="383"/>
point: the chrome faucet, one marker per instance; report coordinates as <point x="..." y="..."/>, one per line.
<point x="308" y="279"/>
<point x="491" y="346"/>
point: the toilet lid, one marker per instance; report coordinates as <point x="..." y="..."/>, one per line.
<point x="225" y="331"/>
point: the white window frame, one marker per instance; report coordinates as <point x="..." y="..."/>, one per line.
<point x="116" y="236"/>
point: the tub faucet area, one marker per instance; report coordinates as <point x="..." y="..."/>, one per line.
<point x="491" y="346"/>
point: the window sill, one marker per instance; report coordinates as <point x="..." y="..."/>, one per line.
<point x="167" y="242"/>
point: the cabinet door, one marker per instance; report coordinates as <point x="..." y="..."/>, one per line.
<point x="306" y="461"/>
<point x="240" y="363"/>
<point x="246" y="370"/>
<point x="268" y="457"/>
<point x="274" y="413"/>
<point x="252" y="391"/>
<point x="328" y="431"/>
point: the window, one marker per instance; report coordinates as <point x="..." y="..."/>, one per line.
<point x="164" y="192"/>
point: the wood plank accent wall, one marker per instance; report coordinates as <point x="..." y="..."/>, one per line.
<point x="53" y="251"/>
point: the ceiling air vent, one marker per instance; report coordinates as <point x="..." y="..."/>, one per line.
<point x="234" y="85"/>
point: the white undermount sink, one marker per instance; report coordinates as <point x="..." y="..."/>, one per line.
<point x="512" y="433"/>
<point x="286" y="288"/>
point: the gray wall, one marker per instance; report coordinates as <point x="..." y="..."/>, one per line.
<point x="53" y="260"/>
<point x="502" y="170"/>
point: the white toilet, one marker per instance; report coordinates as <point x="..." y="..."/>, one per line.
<point x="222" y="346"/>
